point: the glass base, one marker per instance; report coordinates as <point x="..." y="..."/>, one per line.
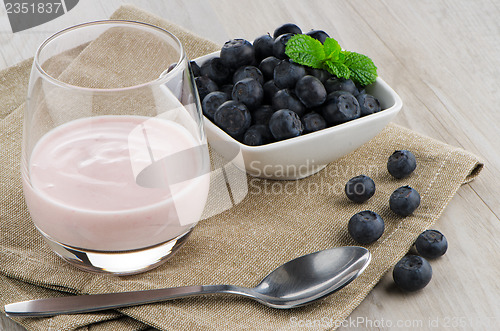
<point x="119" y="263"/>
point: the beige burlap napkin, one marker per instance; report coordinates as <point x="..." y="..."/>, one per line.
<point x="276" y="222"/>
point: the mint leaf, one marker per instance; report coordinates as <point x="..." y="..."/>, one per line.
<point x="363" y="70"/>
<point x="305" y="50"/>
<point x="338" y="69"/>
<point x="329" y="56"/>
<point x="332" y="49"/>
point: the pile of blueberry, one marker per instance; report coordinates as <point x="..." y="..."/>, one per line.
<point x="412" y="272"/>
<point x="256" y="94"/>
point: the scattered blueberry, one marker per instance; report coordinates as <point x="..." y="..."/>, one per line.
<point x="284" y="99"/>
<point x="212" y="101"/>
<point x="248" y="72"/>
<point x="318" y="35"/>
<point x="233" y="117"/>
<point x="205" y="85"/>
<point x="310" y="91"/>
<point x="431" y="244"/>
<point x="286" y="28"/>
<point x="313" y="122"/>
<point x="216" y="71"/>
<point x="368" y="104"/>
<point x="285" y="124"/>
<point x="360" y="188"/>
<point x="258" y="134"/>
<point x="249" y="92"/>
<point x="263" y="46"/>
<point x="340" y="107"/>
<point x="267" y="66"/>
<point x="237" y="52"/>
<point x="286" y="74"/>
<point x="401" y="163"/>
<point x="412" y="273"/>
<point x="366" y="227"/>
<point x="262" y="115"/>
<point x="404" y="201"/>
<point x="279" y="46"/>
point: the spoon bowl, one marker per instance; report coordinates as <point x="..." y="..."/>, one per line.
<point x="312" y="277"/>
<point x="296" y="283"/>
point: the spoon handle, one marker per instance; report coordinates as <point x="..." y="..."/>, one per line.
<point x="96" y="302"/>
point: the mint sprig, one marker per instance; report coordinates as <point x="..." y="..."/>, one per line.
<point x="305" y="50"/>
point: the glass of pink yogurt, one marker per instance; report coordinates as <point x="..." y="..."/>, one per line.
<point x="115" y="164"/>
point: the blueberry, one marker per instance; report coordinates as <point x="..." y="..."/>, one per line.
<point x="404" y="200"/>
<point x="310" y="91"/>
<point x="320" y="74"/>
<point x="249" y="92"/>
<point x="279" y="46"/>
<point x="267" y="66"/>
<point x="216" y="71"/>
<point x="313" y="122"/>
<point x="237" y="52"/>
<point x="284" y="99"/>
<point x="205" y="85"/>
<point x="212" y="101"/>
<point x="340" y="107"/>
<point x="258" y="134"/>
<point x="286" y="74"/>
<point x="412" y="273"/>
<point x="341" y="84"/>
<point x="431" y="244"/>
<point x="360" y="188"/>
<point x="366" y="227"/>
<point x="285" y="124"/>
<point x="331" y="84"/>
<point x="171" y="67"/>
<point x="233" y="117"/>
<point x="368" y="104"/>
<point x="401" y="163"/>
<point x="195" y="68"/>
<point x="262" y="115"/>
<point x="227" y="88"/>
<point x="286" y="28"/>
<point x="263" y="46"/>
<point x="248" y="72"/>
<point x="270" y="89"/>
<point x="318" y="35"/>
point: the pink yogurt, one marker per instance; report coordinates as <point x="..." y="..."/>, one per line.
<point x="83" y="189"/>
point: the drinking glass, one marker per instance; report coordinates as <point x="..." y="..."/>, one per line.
<point x="115" y="164"/>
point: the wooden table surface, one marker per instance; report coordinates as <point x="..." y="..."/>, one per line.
<point x="443" y="58"/>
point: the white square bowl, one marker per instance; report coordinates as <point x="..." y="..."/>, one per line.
<point x="302" y="156"/>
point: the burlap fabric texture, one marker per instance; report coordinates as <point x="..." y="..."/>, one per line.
<point x="276" y="222"/>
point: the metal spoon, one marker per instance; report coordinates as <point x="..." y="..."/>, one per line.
<point x="296" y="283"/>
